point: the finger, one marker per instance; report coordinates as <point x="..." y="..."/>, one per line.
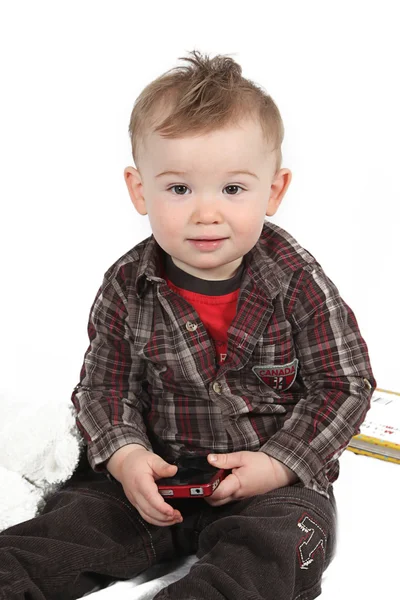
<point x="158" y="514"/>
<point x="150" y="494"/>
<point x="227" y="487"/>
<point x="160" y="511"/>
<point x="176" y="515"/>
<point x="159" y="522"/>
<point x="144" y="506"/>
<point x="163" y="469"/>
<point x="226" y="461"/>
<point x="212" y="502"/>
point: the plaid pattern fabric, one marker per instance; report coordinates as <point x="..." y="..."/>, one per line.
<point x="150" y="374"/>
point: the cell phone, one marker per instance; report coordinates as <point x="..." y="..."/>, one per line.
<point x="195" y="478"/>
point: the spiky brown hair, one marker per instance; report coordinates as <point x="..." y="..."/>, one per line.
<point x="201" y="97"/>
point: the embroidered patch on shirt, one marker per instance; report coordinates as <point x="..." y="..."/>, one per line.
<point x="277" y="377"/>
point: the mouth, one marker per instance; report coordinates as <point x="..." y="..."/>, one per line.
<point x="207" y="244"/>
<point x="206" y="239"/>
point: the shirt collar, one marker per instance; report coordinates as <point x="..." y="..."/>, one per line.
<point x="259" y="266"/>
<point x="149" y="267"/>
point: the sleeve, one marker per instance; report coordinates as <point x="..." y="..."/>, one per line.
<point x="107" y="398"/>
<point x="335" y="368"/>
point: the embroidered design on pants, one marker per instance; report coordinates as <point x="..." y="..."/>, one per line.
<point x="313" y="541"/>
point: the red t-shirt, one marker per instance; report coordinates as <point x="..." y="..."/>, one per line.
<point x="214" y="301"/>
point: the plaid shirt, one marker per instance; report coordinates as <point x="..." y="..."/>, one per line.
<point x="150" y="375"/>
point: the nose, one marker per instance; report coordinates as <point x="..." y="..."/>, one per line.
<point x="206" y="211"/>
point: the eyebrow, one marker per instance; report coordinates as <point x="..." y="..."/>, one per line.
<point x="228" y="173"/>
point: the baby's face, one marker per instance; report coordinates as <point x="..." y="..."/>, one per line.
<point x="208" y="194"/>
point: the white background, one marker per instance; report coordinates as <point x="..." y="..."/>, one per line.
<point x="70" y="72"/>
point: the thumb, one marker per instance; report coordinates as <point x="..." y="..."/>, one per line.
<point x="164" y="469"/>
<point x="226" y="461"/>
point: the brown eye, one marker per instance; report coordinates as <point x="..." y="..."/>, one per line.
<point x="237" y="187"/>
<point x="179" y="187"/>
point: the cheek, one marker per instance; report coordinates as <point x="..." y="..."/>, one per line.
<point x="249" y="222"/>
<point x="164" y="221"/>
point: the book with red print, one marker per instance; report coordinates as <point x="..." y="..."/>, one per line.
<point x="379" y="435"/>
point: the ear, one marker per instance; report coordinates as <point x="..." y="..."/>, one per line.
<point x="280" y="184"/>
<point x="134" y="184"/>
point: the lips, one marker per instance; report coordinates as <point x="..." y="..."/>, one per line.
<point x="207" y="239"/>
<point x="207" y="244"/>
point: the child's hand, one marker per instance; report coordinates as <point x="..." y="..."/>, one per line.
<point x="253" y="473"/>
<point x="139" y="471"/>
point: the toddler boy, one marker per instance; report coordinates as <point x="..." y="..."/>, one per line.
<point x="217" y="336"/>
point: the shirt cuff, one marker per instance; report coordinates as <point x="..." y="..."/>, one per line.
<point x="108" y="442"/>
<point x="296" y="454"/>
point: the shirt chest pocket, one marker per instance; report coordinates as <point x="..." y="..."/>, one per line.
<point x="276" y="345"/>
<point x="273" y="368"/>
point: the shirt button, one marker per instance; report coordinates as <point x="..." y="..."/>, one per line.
<point x="191" y="326"/>
<point x="217" y="387"/>
<point x="367" y="384"/>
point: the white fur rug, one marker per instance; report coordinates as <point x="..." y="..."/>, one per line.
<point x="39" y="449"/>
